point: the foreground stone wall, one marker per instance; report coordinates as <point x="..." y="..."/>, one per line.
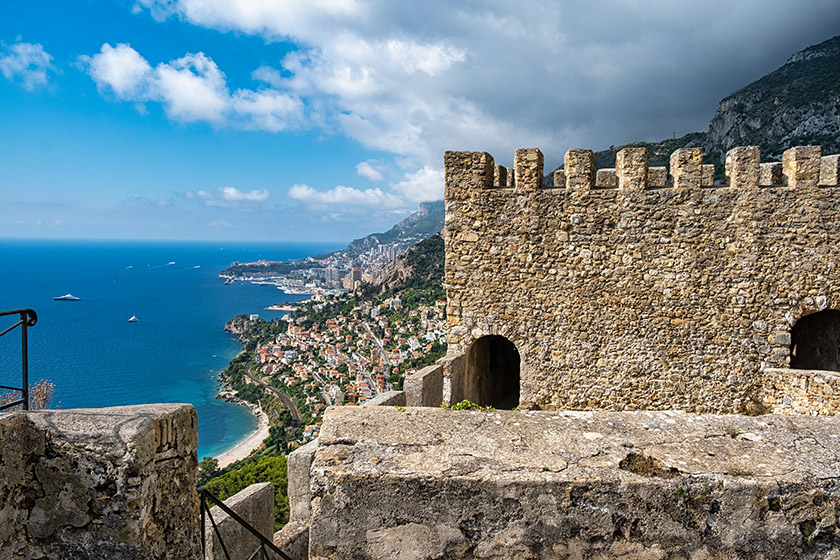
<point x="643" y="290"/>
<point x="426" y="483"/>
<point x="116" y="483"/>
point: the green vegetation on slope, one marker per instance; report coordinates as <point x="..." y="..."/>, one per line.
<point x="263" y="469"/>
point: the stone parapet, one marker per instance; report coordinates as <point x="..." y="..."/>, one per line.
<point x="434" y="483"/>
<point x="115" y="483"/>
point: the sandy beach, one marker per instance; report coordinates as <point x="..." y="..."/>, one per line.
<point x="244" y="448"/>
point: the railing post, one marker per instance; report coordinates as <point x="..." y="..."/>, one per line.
<point x="28" y="318"/>
<point x="25" y="359"/>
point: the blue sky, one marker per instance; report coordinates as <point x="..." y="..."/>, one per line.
<point x="326" y="120"/>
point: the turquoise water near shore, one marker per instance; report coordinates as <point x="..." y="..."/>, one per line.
<point x="176" y="349"/>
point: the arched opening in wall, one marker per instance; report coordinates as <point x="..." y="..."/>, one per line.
<point x="815" y="341"/>
<point x="492" y="373"/>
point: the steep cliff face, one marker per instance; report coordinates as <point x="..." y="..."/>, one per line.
<point x="419" y="267"/>
<point x="797" y="104"/>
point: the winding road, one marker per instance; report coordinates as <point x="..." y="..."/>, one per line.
<point x="282" y="396"/>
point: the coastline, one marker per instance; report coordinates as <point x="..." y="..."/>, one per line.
<point x="250" y="443"/>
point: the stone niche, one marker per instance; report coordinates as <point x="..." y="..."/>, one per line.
<point x="116" y="483"/>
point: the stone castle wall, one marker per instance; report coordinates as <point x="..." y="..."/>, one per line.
<point x="638" y="287"/>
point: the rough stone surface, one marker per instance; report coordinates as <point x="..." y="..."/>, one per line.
<point x="770" y="174"/>
<point x="389" y="398"/>
<point x="605" y="178"/>
<point x="293" y="540"/>
<point x="830" y="170"/>
<point x="687" y="168"/>
<point x="802" y="391"/>
<point x="801" y="166"/>
<point x="500" y="175"/>
<point x="528" y="164"/>
<point x="708" y="176"/>
<point x="559" y="179"/>
<point x="657" y="177"/>
<point x="424" y="388"/>
<point x="438" y="483"/>
<point x="99" y="483"/>
<point x="579" y="168"/>
<point x="637" y="298"/>
<point x="299" y="492"/>
<point x="742" y="167"/>
<point x="254" y="504"/>
<point x="631" y="167"/>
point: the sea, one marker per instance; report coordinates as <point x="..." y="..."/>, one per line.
<point x="175" y="350"/>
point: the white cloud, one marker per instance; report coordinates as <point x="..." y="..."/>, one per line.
<point x="416" y="80"/>
<point x="423" y="185"/>
<point x="121" y="68"/>
<point x="235" y="195"/>
<point x="370" y="170"/>
<point x="374" y="198"/>
<point x="191" y="88"/>
<point x="268" y="109"/>
<point x="228" y="196"/>
<point x="27" y="63"/>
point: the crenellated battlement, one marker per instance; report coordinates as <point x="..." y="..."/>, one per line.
<point x="639" y="286"/>
<point x="801" y="166"/>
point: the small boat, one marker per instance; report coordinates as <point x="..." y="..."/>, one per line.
<point x="67" y="297"/>
<point x="133" y="319"/>
<point x="228" y="281"/>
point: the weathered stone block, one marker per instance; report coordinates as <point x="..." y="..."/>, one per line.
<point x="687" y="168"/>
<point x="585" y="485"/>
<point x="390" y="398"/>
<point x="500" y="175"/>
<point x="528" y="163"/>
<point x="579" y="168"/>
<point x="830" y="170"/>
<point x="100" y="483"/>
<point x="511" y="177"/>
<point x="254" y="504"/>
<point x="657" y="177"/>
<point x="770" y="174"/>
<point x="605" y="178"/>
<point x="298" y="467"/>
<point x="801" y="166"/>
<point x="466" y="171"/>
<point x="708" y="175"/>
<point x="424" y="388"/>
<point x="631" y="167"/>
<point x="742" y="167"/>
<point x="559" y="179"/>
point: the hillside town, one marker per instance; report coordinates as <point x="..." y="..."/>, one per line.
<point x="352" y="355"/>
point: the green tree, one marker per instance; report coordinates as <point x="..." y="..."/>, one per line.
<point x="263" y="469"/>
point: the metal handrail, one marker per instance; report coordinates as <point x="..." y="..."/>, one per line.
<point x="262" y="549"/>
<point x="28" y="318"/>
